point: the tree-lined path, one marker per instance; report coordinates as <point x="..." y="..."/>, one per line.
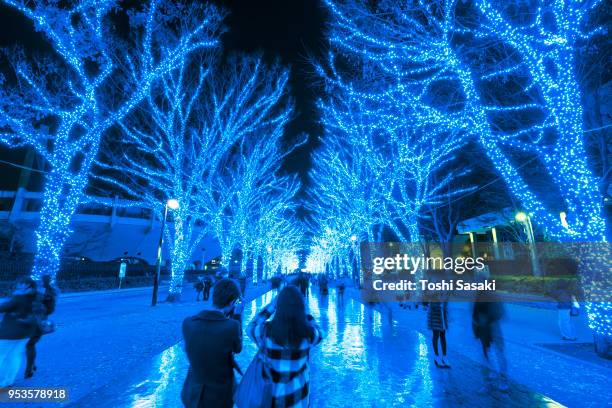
<point x="375" y="358"/>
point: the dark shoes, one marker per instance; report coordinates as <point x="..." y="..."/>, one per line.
<point x="441" y="362"/>
<point x="445" y="363"/>
<point x="569" y="338"/>
<point x="29" y="373"/>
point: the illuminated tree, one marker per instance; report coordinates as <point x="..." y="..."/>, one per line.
<point x="512" y="67"/>
<point x="285" y="237"/>
<point x="515" y="75"/>
<point x="543" y="41"/>
<point x="198" y="122"/>
<point x="347" y="178"/>
<point x="382" y="159"/>
<point x="346" y="190"/>
<point x="419" y="153"/>
<point x="253" y="186"/>
<point x="271" y="216"/>
<point x="248" y="173"/>
<point x="93" y="79"/>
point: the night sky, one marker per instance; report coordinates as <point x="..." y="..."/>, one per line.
<point x="290" y="31"/>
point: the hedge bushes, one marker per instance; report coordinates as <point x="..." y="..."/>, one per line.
<point x="80" y="276"/>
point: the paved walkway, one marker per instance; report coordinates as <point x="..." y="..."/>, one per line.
<point x="565" y="380"/>
<point x="158" y="382"/>
<point x="106" y="335"/>
<point x="381" y="357"/>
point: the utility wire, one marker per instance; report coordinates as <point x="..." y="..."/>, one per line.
<point x="23" y="167"/>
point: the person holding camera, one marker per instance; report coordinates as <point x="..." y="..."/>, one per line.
<point x="212" y="337"/>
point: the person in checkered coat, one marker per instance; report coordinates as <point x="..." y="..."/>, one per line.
<point x="285" y="342"/>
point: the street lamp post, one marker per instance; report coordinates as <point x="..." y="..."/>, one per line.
<point x="172" y="204"/>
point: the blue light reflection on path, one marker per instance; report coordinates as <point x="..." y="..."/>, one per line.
<point x="158" y="382"/>
<point x="367" y="359"/>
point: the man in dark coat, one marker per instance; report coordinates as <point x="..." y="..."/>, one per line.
<point x="199" y="287"/>
<point x="207" y="285"/>
<point x="49" y="300"/>
<point x="487" y="314"/>
<point x="211" y="339"/>
<point x="303" y="284"/>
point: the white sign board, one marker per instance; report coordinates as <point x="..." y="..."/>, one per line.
<point x="122" y="269"/>
<point x="486" y="221"/>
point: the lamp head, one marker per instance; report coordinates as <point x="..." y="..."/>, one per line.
<point x="563" y="217"/>
<point x="520" y="216"/>
<point x="172" y="203"/>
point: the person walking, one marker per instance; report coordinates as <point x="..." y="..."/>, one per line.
<point x="242" y="281"/>
<point x="212" y="337"/>
<point x="199" y="287"/>
<point x="18" y="324"/>
<point x="302" y="283"/>
<point x="323" y="285"/>
<point x="340" y="287"/>
<point x="49" y="302"/>
<point x="486" y="324"/>
<point x="568" y="309"/>
<point x="437" y="322"/>
<point x="207" y="285"/>
<point x="284" y="344"/>
<point x="276" y="282"/>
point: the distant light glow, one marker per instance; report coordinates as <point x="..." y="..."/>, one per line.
<point x="520" y="216"/>
<point x="173" y="204"/>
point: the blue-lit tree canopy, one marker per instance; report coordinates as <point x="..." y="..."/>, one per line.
<point x="140" y="100"/>
<point x="503" y="72"/>
<point x="207" y="136"/>
<point x="348" y="175"/>
<point x="158" y="115"/>
<point x="481" y="50"/>
<point x="255" y="193"/>
<point x="63" y="104"/>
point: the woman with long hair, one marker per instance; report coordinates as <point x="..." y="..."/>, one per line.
<point x="437" y="322"/>
<point x="284" y="343"/>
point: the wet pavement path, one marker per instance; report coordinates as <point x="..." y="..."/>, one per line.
<point x="367" y="359"/>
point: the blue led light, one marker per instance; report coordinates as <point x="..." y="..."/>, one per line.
<point x="198" y="142"/>
<point x="405" y="51"/>
<point x="80" y="112"/>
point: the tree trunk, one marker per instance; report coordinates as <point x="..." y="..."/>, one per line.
<point x="249" y="263"/>
<point x="53" y="231"/>
<point x="176" y="280"/>
<point x="603" y="345"/>
<point x="594" y="270"/>
<point x="180" y="257"/>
